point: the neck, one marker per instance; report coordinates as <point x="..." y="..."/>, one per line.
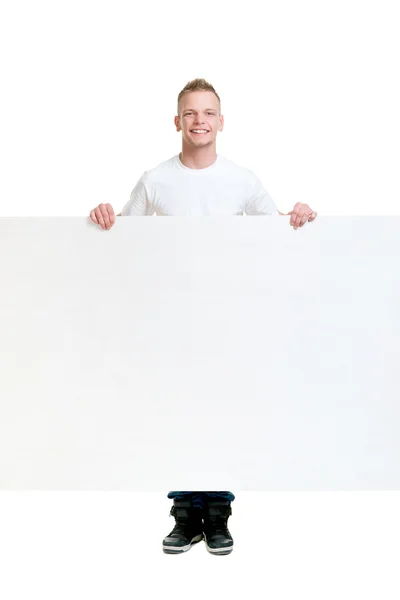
<point x="198" y="158"/>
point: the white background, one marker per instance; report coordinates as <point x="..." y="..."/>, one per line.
<point x="309" y="90"/>
<point x="310" y="94"/>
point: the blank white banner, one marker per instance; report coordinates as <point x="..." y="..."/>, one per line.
<point x="200" y="354"/>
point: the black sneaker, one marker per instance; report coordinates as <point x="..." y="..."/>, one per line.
<point x="188" y="529"/>
<point x="217" y="538"/>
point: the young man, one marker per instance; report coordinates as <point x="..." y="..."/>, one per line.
<point x="198" y="182"/>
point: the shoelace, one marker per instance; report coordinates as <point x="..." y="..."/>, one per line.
<point x="182" y="524"/>
<point x="180" y="527"/>
<point x="218" y="525"/>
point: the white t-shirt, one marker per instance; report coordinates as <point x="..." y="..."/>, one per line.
<point x="224" y="188"/>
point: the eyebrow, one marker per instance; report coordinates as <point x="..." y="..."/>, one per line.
<point x="205" y="110"/>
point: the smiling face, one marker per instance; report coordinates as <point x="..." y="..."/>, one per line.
<point x="199" y="118"/>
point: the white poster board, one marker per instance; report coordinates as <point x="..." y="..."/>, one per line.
<point x="200" y="354"/>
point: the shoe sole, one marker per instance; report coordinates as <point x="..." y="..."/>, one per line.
<point x="182" y="549"/>
<point x="218" y="551"/>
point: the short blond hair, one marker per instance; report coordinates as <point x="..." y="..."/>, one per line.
<point x="197" y="85"/>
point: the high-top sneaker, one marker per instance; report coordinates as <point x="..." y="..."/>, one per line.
<point x="217" y="538"/>
<point x="188" y="529"/>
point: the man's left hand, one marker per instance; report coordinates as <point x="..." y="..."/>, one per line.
<point x="301" y="214"/>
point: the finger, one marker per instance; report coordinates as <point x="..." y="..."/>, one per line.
<point x="304" y="213"/>
<point x="297" y="207"/>
<point x="93" y="217"/>
<point x="105" y="216"/>
<point x="312" y="216"/>
<point x="304" y="219"/>
<point x="111" y="214"/>
<point x="296" y="214"/>
<point x="296" y="218"/>
<point x="100" y="218"/>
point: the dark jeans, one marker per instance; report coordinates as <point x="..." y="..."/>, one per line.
<point x="199" y="498"/>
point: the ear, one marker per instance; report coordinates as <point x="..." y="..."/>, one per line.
<point x="221" y="123"/>
<point x="177" y="123"/>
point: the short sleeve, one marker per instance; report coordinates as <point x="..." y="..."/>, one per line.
<point x="138" y="204"/>
<point x="260" y="202"/>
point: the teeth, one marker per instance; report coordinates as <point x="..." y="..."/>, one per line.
<point x="199" y="130"/>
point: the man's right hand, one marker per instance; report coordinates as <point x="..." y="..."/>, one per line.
<point x="103" y="215"/>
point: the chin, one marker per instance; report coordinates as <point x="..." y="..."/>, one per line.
<point x="202" y="142"/>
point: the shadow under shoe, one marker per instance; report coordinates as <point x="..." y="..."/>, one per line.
<point x="217" y="537"/>
<point x="188" y="528"/>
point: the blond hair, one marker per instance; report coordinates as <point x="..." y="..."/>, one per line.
<point x="197" y="85"/>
